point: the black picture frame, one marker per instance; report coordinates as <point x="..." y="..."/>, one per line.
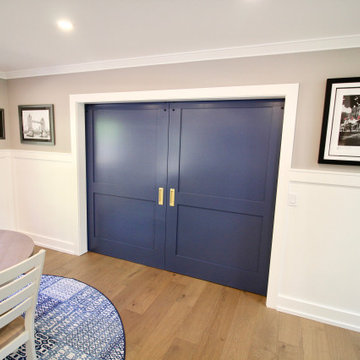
<point x="2" y="124"/>
<point x="37" y="124"/>
<point x="340" y="133"/>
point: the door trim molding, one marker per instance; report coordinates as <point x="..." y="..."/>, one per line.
<point x="289" y="92"/>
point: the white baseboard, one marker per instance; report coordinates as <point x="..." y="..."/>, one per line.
<point x="325" y="314"/>
<point x="51" y="243"/>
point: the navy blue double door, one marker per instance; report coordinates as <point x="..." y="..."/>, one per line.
<point x="187" y="187"/>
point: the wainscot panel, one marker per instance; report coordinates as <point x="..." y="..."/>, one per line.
<point x="320" y="269"/>
<point x="45" y="198"/>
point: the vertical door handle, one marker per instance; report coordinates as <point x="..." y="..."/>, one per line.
<point x="161" y="196"/>
<point x="172" y="197"/>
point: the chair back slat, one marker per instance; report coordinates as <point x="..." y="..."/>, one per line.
<point x="18" y="284"/>
<point x="18" y="341"/>
<point x="13" y="272"/>
<point x="15" y="312"/>
<point x="17" y="298"/>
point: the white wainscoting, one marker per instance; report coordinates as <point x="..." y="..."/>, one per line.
<point x="7" y="211"/>
<point x="321" y="255"/>
<point x="44" y="197"/>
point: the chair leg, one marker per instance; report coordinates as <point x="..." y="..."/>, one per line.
<point x="29" y="326"/>
<point x="30" y="350"/>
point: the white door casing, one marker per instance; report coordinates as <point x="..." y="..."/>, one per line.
<point x="289" y="92"/>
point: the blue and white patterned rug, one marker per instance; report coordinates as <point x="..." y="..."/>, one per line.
<point x="74" y="321"/>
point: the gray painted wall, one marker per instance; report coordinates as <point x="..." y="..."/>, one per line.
<point x="310" y="70"/>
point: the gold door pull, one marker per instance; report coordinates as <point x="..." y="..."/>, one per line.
<point x="172" y="197"/>
<point x="161" y="196"/>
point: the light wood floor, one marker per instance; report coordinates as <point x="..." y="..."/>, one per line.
<point x="170" y="316"/>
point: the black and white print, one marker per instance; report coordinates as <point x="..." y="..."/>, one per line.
<point x="349" y="134"/>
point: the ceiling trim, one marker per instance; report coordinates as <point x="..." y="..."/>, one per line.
<point x="321" y="44"/>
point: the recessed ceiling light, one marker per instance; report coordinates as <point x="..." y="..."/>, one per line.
<point x="65" y="25"/>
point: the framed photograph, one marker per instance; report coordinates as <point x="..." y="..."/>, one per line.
<point x="2" y="124"/>
<point x="37" y="124"/>
<point x="340" y="135"/>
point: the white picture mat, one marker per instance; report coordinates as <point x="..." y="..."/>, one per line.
<point x="37" y="116"/>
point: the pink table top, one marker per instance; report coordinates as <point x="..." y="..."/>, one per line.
<point x="14" y="248"/>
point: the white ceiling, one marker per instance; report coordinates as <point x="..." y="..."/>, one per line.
<point x="136" y="32"/>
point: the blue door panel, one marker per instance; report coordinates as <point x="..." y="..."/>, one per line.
<point x="125" y="139"/>
<point x="219" y="237"/>
<point x="220" y="149"/>
<point x="117" y="219"/>
<point x="223" y="159"/>
<point x="127" y="148"/>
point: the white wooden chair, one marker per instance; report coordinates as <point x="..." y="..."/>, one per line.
<point x="18" y="295"/>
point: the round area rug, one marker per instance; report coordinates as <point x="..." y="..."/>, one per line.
<point x="75" y="321"/>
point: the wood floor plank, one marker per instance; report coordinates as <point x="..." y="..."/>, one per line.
<point x="355" y="341"/>
<point x="290" y="338"/>
<point x="240" y="336"/>
<point x="193" y="288"/>
<point x="136" y="334"/>
<point x="168" y="316"/>
<point x="158" y="342"/>
<point x="315" y="342"/>
<point x="180" y="350"/>
<point x="141" y="301"/>
<point x="289" y="352"/>
<point x="213" y="339"/>
<point x="142" y="289"/>
<point x="264" y="345"/>
<point x="340" y="344"/>
<point x="290" y="329"/>
<point x="201" y="314"/>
